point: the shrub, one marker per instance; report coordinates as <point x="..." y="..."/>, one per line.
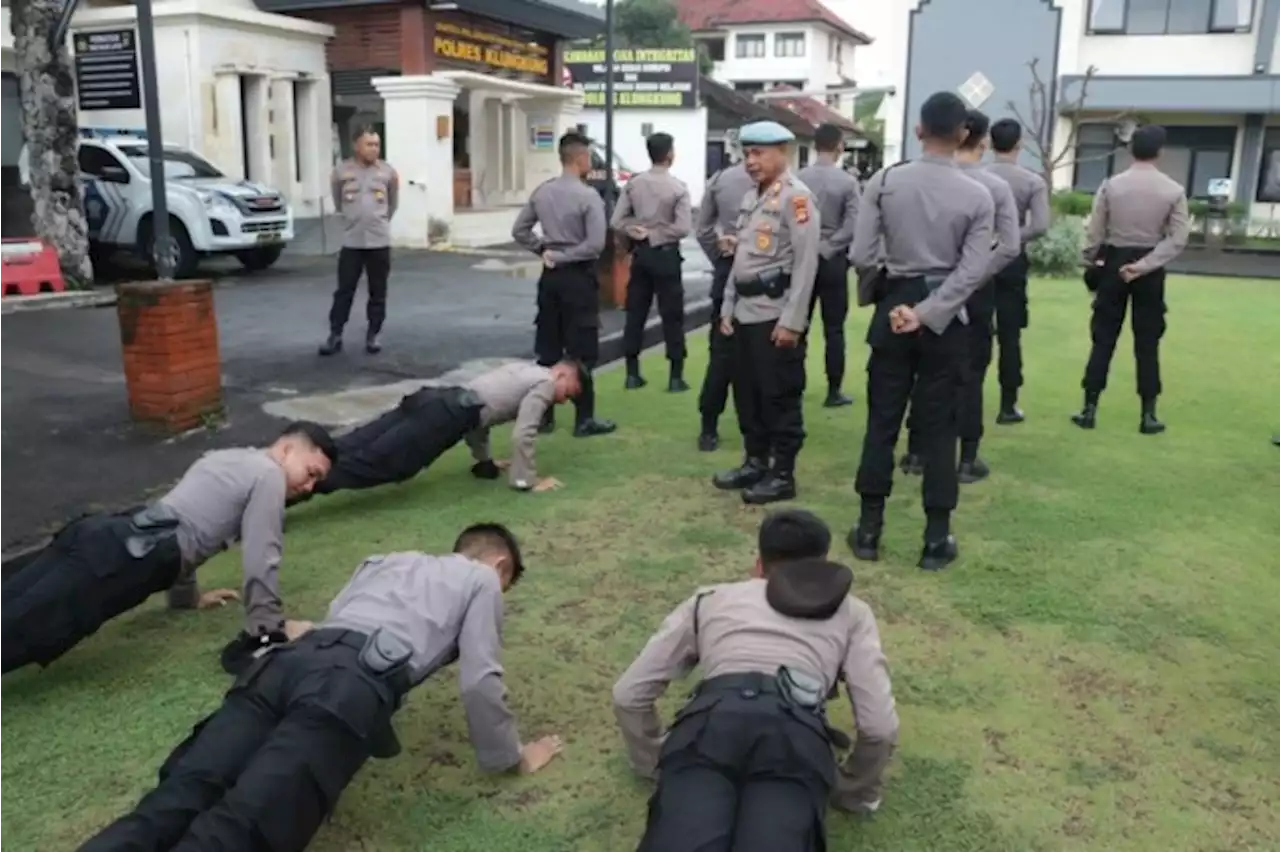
<point x="1071" y="203"/>
<point x="1057" y="253"/>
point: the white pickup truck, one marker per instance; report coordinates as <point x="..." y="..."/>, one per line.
<point x="209" y="213"/>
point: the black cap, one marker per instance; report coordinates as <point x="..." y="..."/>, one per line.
<point x="812" y="589"/>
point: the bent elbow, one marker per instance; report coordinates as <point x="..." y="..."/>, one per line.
<point x="626" y="699"/>
<point x="882" y="728"/>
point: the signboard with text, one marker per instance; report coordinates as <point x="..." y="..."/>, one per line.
<point x="107" y="70"/>
<point x="488" y="51"/>
<point x="643" y="78"/>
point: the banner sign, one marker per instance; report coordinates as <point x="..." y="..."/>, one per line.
<point x="643" y="78"/>
<point x="489" y="50"/>
<point x="107" y="70"/>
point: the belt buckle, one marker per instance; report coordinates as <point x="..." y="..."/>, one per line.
<point x="749" y="692"/>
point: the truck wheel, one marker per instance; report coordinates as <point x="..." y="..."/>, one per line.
<point x="187" y="258"/>
<point x="258" y="259"/>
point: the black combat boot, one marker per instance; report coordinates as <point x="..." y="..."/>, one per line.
<point x="836" y="398"/>
<point x="912" y="464"/>
<point x="1150" y="424"/>
<point x="592" y="426"/>
<point x="634" y="379"/>
<point x="864" y="541"/>
<point x="1009" y="411"/>
<point x="708" y="442"/>
<point x="972" y="469"/>
<point x="371" y="343"/>
<point x="748" y="474"/>
<point x="1088" y="416"/>
<point x="548" y="424"/>
<point x="333" y="345"/>
<point x="677" y="384"/>
<point x="939" y="554"/>
<point x="776" y="486"/>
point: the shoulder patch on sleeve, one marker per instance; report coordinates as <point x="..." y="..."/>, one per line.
<point x="800" y="208"/>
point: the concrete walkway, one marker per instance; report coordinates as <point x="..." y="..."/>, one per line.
<point x="69" y="445"/>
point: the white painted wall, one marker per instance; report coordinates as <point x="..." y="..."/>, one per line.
<point x="202" y="48"/>
<point x="821" y="66"/>
<point x="688" y="126"/>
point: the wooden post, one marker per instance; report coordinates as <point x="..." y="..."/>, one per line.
<point x="614" y="272"/>
<point x="169" y="332"/>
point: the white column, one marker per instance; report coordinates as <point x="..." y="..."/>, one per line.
<point x="257" y="128"/>
<point x="413" y="106"/>
<point x="227" y="125"/>
<point x="284" y="165"/>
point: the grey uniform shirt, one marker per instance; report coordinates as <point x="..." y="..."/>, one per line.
<point x="228" y="495"/>
<point x="838" y="194"/>
<point x="1030" y="193"/>
<point x="739" y="632"/>
<point x="1140" y="208"/>
<point x="718" y="215"/>
<point x="366" y="198"/>
<point x="1008" y="235"/>
<point x="445" y="608"/>
<point x="572" y="218"/>
<point x="934" y="221"/>
<point x="659" y="202"/>
<point x="779" y="230"/>
<point x="521" y="392"/>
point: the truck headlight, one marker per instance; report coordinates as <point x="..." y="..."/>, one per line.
<point x="216" y="201"/>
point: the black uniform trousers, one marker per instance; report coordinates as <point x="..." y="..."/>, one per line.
<point x="79" y="581"/>
<point x="768" y="392"/>
<point x="925" y="369"/>
<point x="741" y="771"/>
<point x="831" y="289"/>
<point x="404" y="441"/>
<point x="568" y="324"/>
<point x="715" y="385"/>
<point x="655" y="272"/>
<point x="1109" y="305"/>
<point x="375" y="263"/>
<point x="979" y="334"/>
<point x="1012" y="314"/>
<point x="264" y="771"/>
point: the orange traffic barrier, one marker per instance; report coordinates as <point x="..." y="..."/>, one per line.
<point x="29" y="267"/>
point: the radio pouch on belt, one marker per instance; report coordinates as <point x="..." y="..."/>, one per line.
<point x="800" y="689"/>
<point x="149" y="528"/>
<point x="384" y="655"/>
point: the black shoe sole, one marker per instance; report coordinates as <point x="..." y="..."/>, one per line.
<point x="971" y="478"/>
<point x="757" y="500"/>
<point x="678" y="388"/>
<point x="725" y="486"/>
<point x="1085" y="424"/>
<point x="708" y="444"/>
<point x="862" y="554"/>
<point x="1001" y="420"/>
<point x="1146" y="431"/>
<point x="837" y="403"/>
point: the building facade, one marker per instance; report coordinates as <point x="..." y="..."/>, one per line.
<point x="1208" y="70"/>
<point x="468" y="97"/>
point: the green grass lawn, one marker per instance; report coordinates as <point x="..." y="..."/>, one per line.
<point x="1099" y="671"/>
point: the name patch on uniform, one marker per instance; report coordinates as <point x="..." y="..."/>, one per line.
<point x="800" y="207"/>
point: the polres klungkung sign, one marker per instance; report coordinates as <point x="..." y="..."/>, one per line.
<point x="643" y="78"/>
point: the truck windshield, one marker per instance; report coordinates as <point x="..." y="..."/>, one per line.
<point x="177" y="162"/>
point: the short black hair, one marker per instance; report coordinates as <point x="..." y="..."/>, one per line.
<point x="791" y="534"/>
<point x="1146" y="142"/>
<point x="977" y="124"/>
<point x="659" y="146"/>
<point x="571" y="144"/>
<point x="491" y="536"/>
<point x="1005" y="135"/>
<point x="828" y="138"/>
<point x="583" y="371"/>
<point x="363" y="130"/>
<point x="942" y="114"/>
<point x="316" y="434"/>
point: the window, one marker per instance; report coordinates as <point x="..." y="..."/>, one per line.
<point x="788" y="44"/>
<point x="1170" y="17"/>
<point x="101" y="163"/>
<point x="714" y="48"/>
<point x="748" y="87"/>
<point x="178" y="163"/>
<point x="646" y="129"/>
<point x="804" y="156"/>
<point x="1193" y="156"/>
<point x="1269" y="170"/>
<point x="749" y="46"/>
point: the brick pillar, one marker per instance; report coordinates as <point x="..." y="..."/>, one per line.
<point x="169" y="333"/>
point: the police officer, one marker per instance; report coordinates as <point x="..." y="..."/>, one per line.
<point x="573" y="235"/>
<point x="366" y="192"/>
<point x="266" y="768"/>
<point x="748" y="764"/>
<point x="1032" y="196"/>
<point x="404" y="441"/>
<point x="837" y="192"/>
<point x="100" y="566"/>
<point x="936" y="224"/>
<point x="1139" y="223"/>
<point x="981" y="308"/>
<point x="766" y="309"/>
<point x="718" y="235"/>
<point x="655" y="212"/>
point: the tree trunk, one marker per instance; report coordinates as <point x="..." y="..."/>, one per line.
<point x="51" y="130"/>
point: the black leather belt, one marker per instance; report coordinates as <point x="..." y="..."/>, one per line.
<point x="398" y="682"/>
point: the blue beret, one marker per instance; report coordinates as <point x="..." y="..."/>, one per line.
<point x="765" y="133"/>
